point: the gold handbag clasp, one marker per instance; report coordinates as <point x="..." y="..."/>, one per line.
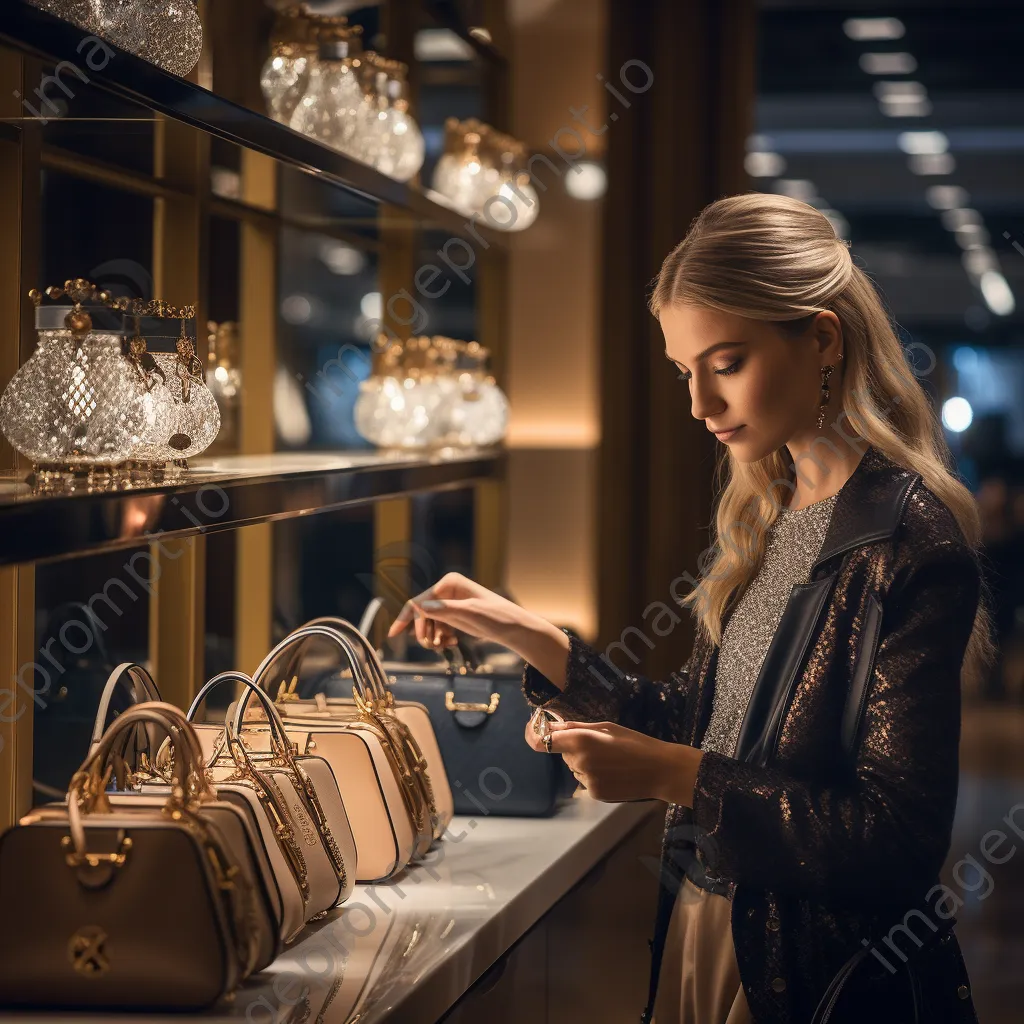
<point x="76" y="859"/>
<point x="451" y="704"/>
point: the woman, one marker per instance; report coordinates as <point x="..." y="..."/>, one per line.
<point x="808" y="750"/>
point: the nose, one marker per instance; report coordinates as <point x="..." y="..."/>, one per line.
<point x="705" y="401"/>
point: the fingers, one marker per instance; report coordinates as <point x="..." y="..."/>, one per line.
<point x="534" y="741"/>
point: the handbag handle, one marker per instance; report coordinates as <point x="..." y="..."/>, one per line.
<point x="138" y="678"/>
<point x="86" y="791"/>
<point x="233" y="725"/>
<point x="828" y="1002"/>
<point x="378" y="678"/>
<point x="375" y="679"/>
<point x="469" y="658"/>
<point x="364" y="691"/>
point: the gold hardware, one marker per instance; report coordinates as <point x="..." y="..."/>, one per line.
<point x="451" y="704"/>
<point x="86" y="950"/>
<point x="94" y="860"/>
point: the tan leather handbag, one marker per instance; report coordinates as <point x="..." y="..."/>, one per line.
<point x="411" y="714"/>
<point x="384" y="793"/>
<point x="299" y="790"/>
<point x="80" y="885"/>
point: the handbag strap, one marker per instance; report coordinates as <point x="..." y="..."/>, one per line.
<point x="828" y="1002"/>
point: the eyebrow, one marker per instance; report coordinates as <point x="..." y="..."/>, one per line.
<point x="711" y="348"/>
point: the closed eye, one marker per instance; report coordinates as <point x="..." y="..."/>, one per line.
<point x="723" y="372"/>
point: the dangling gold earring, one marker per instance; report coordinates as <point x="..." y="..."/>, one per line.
<point x="826" y="391"/>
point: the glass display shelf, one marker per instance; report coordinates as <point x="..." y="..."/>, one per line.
<point x="33" y="31"/>
<point x="221" y="493"/>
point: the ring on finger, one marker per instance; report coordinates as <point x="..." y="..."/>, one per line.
<point x="547" y="742"/>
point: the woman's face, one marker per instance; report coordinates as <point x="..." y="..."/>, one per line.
<point x="749" y="377"/>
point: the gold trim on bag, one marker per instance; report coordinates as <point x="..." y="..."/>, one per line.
<point x="451" y="704"/>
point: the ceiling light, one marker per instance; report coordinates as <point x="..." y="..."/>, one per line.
<point x="956" y="414"/>
<point x="297" y="309"/>
<point x="891" y="91"/>
<point x="996" y="293"/>
<point x="946" y="197"/>
<point x="588" y="181"/>
<point x="959" y="218"/>
<point x="863" y="29"/>
<point x="905" y="107"/>
<point x="977" y="261"/>
<point x="340" y="258"/>
<point x="931" y="163"/>
<point x="371" y="305"/>
<point x="764" y="165"/>
<point x="971" y="236"/>
<point x="440" y="44"/>
<point x="888" y="63"/>
<point x="923" y="142"/>
<point x="797" y="188"/>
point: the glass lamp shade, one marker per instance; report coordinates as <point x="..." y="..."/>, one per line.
<point x="75" y="401"/>
<point x="394" y="413"/>
<point x="176" y="428"/>
<point x="401" y="148"/>
<point x="478" y="412"/>
<point x="284" y="80"/>
<point x="394" y="143"/>
<point x="168" y="33"/>
<point x="334" y="107"/>
<point x="460" y="180"/>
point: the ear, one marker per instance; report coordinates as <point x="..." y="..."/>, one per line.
<point x="828" y="333"/>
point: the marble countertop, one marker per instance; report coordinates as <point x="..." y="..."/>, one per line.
<point x="405" y="951"/>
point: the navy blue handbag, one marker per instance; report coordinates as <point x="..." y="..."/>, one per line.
<point x="479" y="714"/>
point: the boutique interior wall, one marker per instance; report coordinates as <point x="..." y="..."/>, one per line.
<point x="610" y="479"/>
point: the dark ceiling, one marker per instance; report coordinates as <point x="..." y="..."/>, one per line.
<point x="816" y="109"/>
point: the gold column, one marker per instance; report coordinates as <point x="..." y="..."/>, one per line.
<point x="19" y="268"/>
<point x="177" y="610"/>
<point x="17" y="643"/>
<point x="254" y="574"/>
<point x="392" y="533"/>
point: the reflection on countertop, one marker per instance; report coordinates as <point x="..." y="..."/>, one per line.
<point x="405" y="951"/>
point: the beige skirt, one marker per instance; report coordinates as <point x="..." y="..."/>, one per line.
<point x="699" y="981"/>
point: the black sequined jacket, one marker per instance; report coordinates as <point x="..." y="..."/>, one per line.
<point x="834" y="819"/>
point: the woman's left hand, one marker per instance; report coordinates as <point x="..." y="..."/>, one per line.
<point x="617" y="764"/>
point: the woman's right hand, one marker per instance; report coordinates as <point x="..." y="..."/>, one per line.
<point x="457" y="603"/>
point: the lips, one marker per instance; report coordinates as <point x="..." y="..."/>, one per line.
<point x="725" y="435"/>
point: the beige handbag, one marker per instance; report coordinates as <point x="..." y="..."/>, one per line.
<point x="384" y="793"/>
<point x="411" y="714"/>
<point x="82" y="883"/>
<point x="299" y="793"/>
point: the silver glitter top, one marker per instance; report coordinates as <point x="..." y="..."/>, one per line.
<point x="791" y="546"/>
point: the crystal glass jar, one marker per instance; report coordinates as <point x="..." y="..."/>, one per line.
<point x="186" y="418"/>
<point x="334" y="109"/>
<point x="168" y="33"/>
<point x="394" y="142"/>
<point x="476" y="409"/>
<point x="401" y="405"/>
<point x="285" y="76"/>
<point x="459" y="173"/>
<point x="77" y="400"/>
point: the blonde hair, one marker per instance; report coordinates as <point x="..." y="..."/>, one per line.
<point x="772" y="258"/>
